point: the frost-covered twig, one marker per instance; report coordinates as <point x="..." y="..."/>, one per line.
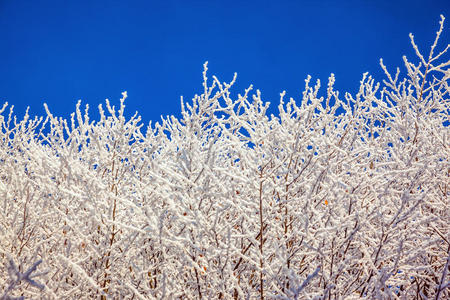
<point x="442" y="286"/>
<point x="16" y="277"/>
<point x="298" y="290"/>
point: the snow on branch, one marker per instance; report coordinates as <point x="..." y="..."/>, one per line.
<point x="330" y="197"/>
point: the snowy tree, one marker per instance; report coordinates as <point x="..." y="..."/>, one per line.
<point x="332" y="198"/>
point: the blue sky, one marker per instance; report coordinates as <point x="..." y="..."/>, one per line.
<point x="61" y="51"/>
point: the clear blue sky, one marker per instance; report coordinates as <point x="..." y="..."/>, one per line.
<point x="61" y="51"/>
